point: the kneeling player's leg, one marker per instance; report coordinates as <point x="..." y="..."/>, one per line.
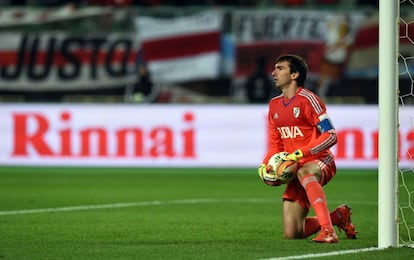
<point x="293" y="219"/>
<point x="308" y="176"/>
<point x="311" y="226"/>
<point x="340" y="217"/>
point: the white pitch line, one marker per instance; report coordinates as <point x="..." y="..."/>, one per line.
<point x="138" y="204"/>
<point x="128" y="204"/>
<point x="183" y="201"/>
<point x="344" y="252"/>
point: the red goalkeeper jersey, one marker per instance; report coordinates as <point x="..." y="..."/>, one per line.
<point x="299" y="123"/>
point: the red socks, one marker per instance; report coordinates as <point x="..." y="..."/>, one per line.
<point x="317" y="199"/>
<point x="311" y="226"/>
<point x="335" y="218"/>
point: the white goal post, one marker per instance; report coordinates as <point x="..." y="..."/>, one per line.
<point x="388" y="94"/>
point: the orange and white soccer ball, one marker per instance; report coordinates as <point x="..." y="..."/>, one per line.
<point x="285" y="170"/>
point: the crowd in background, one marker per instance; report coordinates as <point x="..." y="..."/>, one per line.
<point x="293" y="3"/>
<point x="330" y="73"/>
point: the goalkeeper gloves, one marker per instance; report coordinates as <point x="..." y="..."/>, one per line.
<point x="295" y="156"/>
<point x="263" y="170"/>
<point x="267" y="177"/>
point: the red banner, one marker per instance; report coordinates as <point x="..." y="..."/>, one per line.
<point x="183" y="48"/>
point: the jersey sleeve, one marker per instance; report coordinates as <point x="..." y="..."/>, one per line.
<point x="274" y="140"/>
<point x="327" y="133"/>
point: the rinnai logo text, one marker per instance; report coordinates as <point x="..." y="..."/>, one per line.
<point x="33" y="133"/>
<point x="355" y="138"/>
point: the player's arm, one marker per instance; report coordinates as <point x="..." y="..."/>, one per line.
<point x="325" y="141"/>
<point x="275" y="143"/>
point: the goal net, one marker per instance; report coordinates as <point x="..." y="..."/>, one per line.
<point x="405" y="181"/>
<point x="395" y="95"/>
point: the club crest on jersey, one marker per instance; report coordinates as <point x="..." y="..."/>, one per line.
<point x="296" y="112"/>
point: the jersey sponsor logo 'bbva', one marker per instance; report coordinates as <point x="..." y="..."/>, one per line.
<point x="290" y="132"/>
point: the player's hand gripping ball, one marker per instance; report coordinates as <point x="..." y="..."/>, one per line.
<point x="283" y="168"/>
<point x="268" y="176"/>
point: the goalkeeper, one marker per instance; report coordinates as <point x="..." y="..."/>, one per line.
<point x="299" y="124"/>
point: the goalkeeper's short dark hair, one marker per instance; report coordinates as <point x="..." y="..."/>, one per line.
<point x="296" y="64"/>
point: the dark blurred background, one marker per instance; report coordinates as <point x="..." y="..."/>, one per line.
<point x="159" y="51"/>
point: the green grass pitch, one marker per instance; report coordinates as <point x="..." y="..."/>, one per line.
<point x="143" y="213"/>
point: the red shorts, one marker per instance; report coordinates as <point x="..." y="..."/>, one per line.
<point x="294" y="190"/>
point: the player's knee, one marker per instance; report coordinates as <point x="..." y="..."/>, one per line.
<point x="293" y="234"/>
<point x="308" y="169"/>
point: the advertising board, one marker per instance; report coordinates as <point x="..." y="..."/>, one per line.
<point x="175" y="135"/>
